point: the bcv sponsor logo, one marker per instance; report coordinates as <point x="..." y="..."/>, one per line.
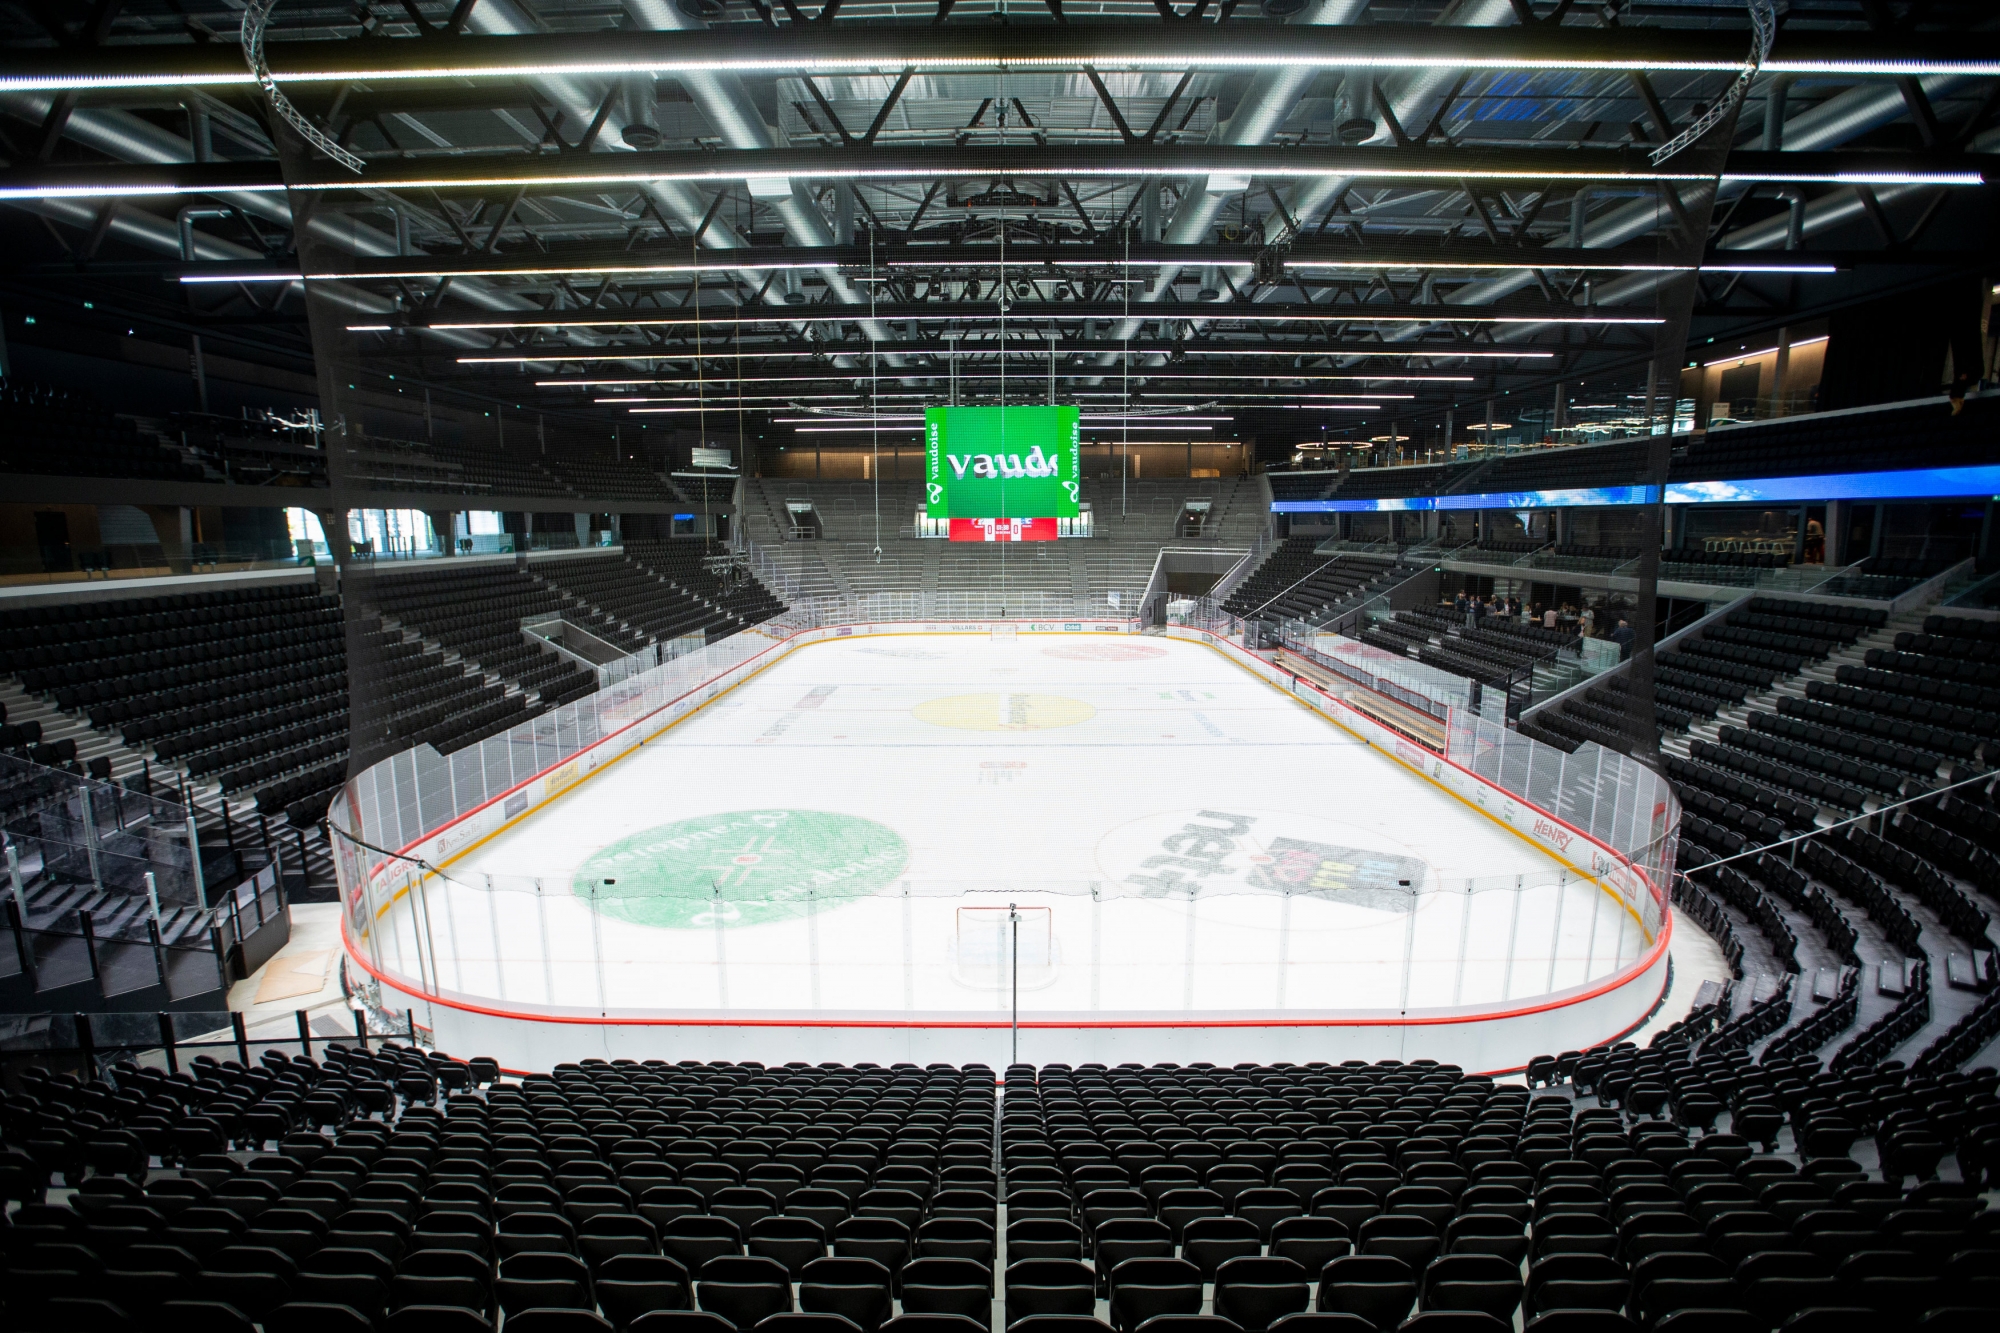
<point x="1554" y="834"/>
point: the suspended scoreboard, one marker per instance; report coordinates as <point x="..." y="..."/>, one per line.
<point x="1011" y="463"/>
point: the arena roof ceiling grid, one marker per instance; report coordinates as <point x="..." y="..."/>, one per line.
<point x="1290" y="215"/>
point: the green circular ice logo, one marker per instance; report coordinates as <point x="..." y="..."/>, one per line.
<point x="741" y="868"/>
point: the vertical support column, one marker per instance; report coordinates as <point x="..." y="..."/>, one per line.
<point x="14" y="881"/>
<point x="1513" y="929"/>
<point x="1409" y="955"/>
<point x="194" y="860"/>
<point x="1464" y="937"/>
<point x="198" y="368"/>
<point x="159" y="951"/>
<point x="1284" y="944"/>
<point x="493" y="936"/>
<point x="88" y="922"/>
<point x="812" y="944"/>
<point x="721" y="954"/>
<point x="909" y="964"/>
<point x="409" y="896"/>
<point x="1014" y="988"/>
<point x="596" y="953"/>
<point x="1187" y="953"/>
<point x="1096" y="945"/>
<point x="548" y="962"/>
<point x="1555" y="932"/>
<point x="88" y="808"/>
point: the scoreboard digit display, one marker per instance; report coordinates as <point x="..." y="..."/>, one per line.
<point x="1002" y="462"/>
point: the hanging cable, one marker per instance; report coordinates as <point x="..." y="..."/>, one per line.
<point x="874" y="401"/>
<point x="1005" y="301"/>
<point x="701" y="390"/>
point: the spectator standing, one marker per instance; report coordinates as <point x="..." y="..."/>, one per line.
<point x="1549" y="618"/>
<point x="1624" y="636"/>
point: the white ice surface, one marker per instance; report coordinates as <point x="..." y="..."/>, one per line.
<point x="1151" y="733"/>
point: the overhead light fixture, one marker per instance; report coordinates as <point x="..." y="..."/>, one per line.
<point x="777" y="182"/>
<point x="769" y="172"/>
<point x="1063" y="293"/>
<point x="416" y="272"/>
<point x="867" y="428"/>
<point x="1414" y="350"/>
<point x="1225" y="314"/>
<point x="875" y="49"/>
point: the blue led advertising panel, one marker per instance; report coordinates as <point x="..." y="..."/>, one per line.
<point x="1916" y="483"/>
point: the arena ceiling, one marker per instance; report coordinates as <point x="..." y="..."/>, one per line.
<point x="1283" y="213"/>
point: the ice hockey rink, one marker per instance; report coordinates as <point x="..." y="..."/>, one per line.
<point x="851" y="833"/>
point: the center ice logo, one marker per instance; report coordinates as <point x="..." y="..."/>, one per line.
<point x="741" y="868"/>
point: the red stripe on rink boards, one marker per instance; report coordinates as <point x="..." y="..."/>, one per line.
<point x="999" y="1080"/>
<point x="1622" y="979"/>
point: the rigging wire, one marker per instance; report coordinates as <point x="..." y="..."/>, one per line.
<point x="701" y="388"/>
<point x="874" y="406"/>
<point x="1125" y="360"/>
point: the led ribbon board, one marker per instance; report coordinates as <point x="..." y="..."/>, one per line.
<point x="1914" y="483"/>
<point x="1002" y="462"/>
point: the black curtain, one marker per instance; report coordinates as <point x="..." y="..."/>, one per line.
<point x="1890" y="349"/>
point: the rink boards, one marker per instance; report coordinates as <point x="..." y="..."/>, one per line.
<point x="1159" y="812"/>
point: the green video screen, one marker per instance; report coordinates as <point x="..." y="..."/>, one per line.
<point x="1001" y="462"/>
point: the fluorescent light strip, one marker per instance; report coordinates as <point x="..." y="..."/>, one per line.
<point x="1372" y="265"/>
<point x="629" y="271"/>
<point x="730" y="402"/>
<point x="1768" y="351"/>
<point x="904" y="372"/>
<point x="728" y="351"/>
<point x="557" y="355"/>
<point x="940" y="63"/>
<point x="560" y="270"/>
<point x="1155" y="418"/>
<point x="1222" y="314"/>
<point x="723" y="176"/>
<point x="1417" y="351"/>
